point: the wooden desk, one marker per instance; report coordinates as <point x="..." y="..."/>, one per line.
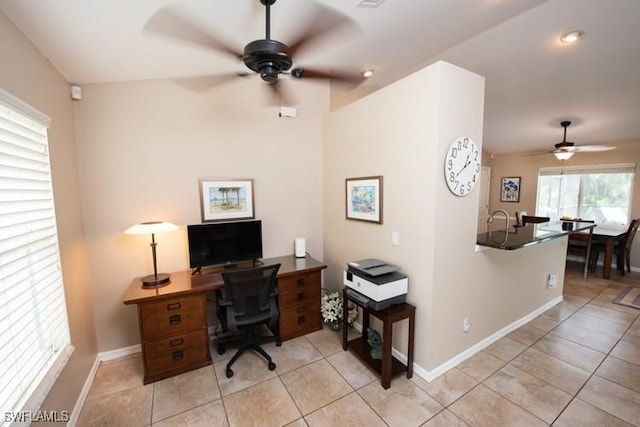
<point x="173" y="318"/>
<point x="609" y="237"/>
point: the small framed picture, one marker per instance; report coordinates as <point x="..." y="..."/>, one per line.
<point x="510" y="191"/>
<point x="225" y="200"/>
<point x="364" y="199"/>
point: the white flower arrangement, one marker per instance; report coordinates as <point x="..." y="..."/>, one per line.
<point x="332" y="309"/>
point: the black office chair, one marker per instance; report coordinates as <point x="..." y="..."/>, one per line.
<point x="250" y="301"/>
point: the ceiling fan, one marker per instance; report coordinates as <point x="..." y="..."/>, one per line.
<point x="266" y="57"/>
<point x="566" y="149"/>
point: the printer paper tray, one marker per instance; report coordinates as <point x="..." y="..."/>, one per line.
<point x="367" y="302"/>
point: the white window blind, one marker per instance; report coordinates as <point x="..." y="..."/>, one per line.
<point x="597" y="192"/>
<point x="34" y="330"/>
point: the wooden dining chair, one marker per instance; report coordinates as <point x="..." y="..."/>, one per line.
<point x="580" y="244"/>
<point x="622" y="249"/>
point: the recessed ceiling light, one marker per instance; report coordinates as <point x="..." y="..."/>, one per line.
<point x="370" y="3"/>
<point x="571" y="36"/>
<point x="367" y="73"/>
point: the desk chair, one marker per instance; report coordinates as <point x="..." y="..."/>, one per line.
<point x="622" y="249"/>
<point x="250" y="301"/>
<point x="581" y="244"/>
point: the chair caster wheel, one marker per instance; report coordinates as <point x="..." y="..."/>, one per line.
<point x="278" y="343"/>
<point x="272" y="366"/>
<point x="221" y="349"/>
<point x="229" y="373"/>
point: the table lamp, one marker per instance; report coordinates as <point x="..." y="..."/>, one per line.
<point x="152" y="228"/>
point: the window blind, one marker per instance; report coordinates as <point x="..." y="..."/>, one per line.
<point x="34" y="330"/>
<point x="588" y="169"/>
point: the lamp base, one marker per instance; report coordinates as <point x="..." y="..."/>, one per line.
<point x="155" y="280"/>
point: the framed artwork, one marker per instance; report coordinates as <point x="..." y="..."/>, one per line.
<point x="224" y="200"/>
<point x="364" y="199"/>
<point x="510" y="190"/>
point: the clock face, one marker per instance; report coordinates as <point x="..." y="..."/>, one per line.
<point x="462" y="166"/>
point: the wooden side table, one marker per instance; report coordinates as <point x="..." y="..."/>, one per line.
<point x="389" y="366"/>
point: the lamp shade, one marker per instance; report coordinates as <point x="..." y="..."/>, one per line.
<point x="151" y="227"/>
<point x="563" y="155"/>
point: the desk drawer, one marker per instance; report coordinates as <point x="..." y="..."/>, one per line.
<point x="308" y="290"/>
<point x="172" y="316"/>
<point x="300" y="319"/>
<point x="176" y="353"/>
<point x="307" y="283"/>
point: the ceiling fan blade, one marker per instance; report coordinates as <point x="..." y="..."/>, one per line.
<point x="204" y="83"/>
<point x="171" y="23"/>
<point x="592" y="148"/>
<point x="535" y="153"/>
<point x="325" y="20"/>
<point x="340" y="77"/>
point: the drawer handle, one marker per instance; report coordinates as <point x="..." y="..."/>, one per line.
<point x="177" y="355"/>
<point x="300" y="296"/>
<point x="301" y="309"/>
<point x="300" y="282"/>
<point x="174" y="306"/>
<point x="175" y="319"/>
<point x="176" y="342"/>
<point x="301" y="320"/>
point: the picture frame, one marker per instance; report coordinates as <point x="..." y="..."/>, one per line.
<point x="226" y="200"/>
<point x="364" y="199"/>
<point x="510" y="189"/>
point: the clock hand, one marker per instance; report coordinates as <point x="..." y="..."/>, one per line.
<point x="466" y="163"/>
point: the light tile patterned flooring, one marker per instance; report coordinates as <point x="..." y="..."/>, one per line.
<point x="578" y="364"/>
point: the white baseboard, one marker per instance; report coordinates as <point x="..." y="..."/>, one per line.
<point x="461" y="357"/>
<point x="100" y="357"/>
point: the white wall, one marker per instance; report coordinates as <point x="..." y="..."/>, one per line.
<point x="402" y="132"/>
<point x="142" y="147"/>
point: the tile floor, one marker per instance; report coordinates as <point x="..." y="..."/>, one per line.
<point x="578" y="364"/>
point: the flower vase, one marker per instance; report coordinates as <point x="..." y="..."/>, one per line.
<point x="334" y="325"/>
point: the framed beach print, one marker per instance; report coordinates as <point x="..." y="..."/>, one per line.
<point x="364" y="199"/>
<point x="225" y="200"/>
<point x="510" y="190"/>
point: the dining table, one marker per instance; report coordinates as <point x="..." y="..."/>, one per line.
<point x="609" y="237"/>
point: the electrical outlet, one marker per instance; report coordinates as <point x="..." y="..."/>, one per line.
<point x="466" y="325"/>
<point x="552" y="281"/>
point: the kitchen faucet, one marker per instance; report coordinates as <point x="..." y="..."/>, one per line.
<point x="506" y="219"/>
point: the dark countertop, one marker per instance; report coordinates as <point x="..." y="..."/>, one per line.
<point x="530" y="234"/>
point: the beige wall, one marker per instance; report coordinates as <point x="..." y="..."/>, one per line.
<point x="28" y="75"/>
<point x="402" y="132"/>
<point x="527" y="166"/>
<point x="142" y="147"/>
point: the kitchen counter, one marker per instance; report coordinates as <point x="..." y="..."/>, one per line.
<point x="530" y="234"/>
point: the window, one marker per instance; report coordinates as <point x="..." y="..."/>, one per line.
<point x="602" y="193"/>
<point x="34" y="330"/>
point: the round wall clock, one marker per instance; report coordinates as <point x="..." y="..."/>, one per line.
<point x="462" y="166"/>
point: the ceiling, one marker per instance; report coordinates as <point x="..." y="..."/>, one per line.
<point x="533" y="81"/>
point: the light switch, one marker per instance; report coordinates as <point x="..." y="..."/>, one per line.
<point x="395" y="238"/>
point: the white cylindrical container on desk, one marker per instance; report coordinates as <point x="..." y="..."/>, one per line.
<point x="299" y="245"/>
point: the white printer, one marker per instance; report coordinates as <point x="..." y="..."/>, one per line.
<point x="375" y="284"/>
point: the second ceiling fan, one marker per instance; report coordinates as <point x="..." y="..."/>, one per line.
<point x="266" y="57"/>
<point x="566" y="149"/>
